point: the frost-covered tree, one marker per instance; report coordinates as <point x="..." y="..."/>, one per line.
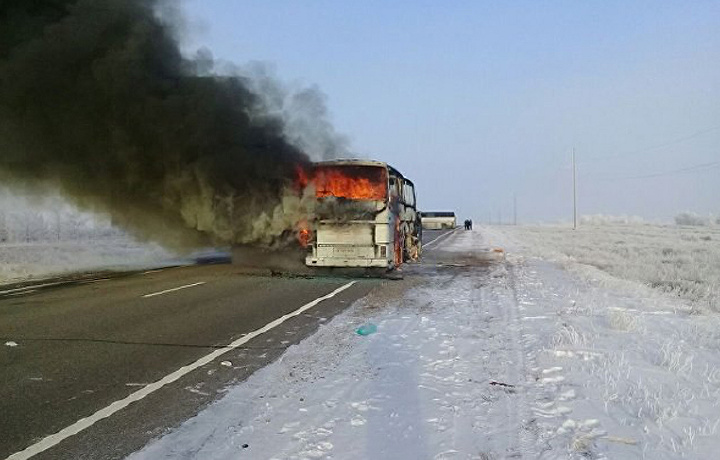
<point x="34" y="227"/>
<point x="4" y="233"/>
<point x="690" y="218"/>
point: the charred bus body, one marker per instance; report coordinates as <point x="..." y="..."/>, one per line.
<point x="365" y="216"/>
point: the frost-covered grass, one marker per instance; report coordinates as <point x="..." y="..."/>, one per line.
<point x="681" y="260"/>
<point x="640" y="379"/>
<point x="640" y="373"/>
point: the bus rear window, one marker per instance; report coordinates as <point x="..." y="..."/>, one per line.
<point x="351" y="182"/>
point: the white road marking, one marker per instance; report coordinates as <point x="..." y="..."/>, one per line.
<point x="98" y="280"/>
<point x="153" y="271"/>
<point x="441" y="237"/>
<point x="84" y="423"/>
<point x="30" y="291"/>
<point x="35" y="286"/>
<point x="174" y="289"/>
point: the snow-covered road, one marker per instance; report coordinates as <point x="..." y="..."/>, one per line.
<point x="511" y="359"/>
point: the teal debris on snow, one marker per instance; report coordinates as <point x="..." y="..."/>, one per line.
<point x="366" y="329"/>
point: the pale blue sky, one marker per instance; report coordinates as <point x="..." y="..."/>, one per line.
<point x="478" y="100"/>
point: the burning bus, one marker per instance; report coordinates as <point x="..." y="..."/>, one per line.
<point x="365" y="215"/>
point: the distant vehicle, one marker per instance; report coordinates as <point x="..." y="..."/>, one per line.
<point x="436" y="220"/>
<point x="365" y="216"/>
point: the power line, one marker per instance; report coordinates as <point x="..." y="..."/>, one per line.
<point x="669" y="143"/>
<point x="689" y="169"/>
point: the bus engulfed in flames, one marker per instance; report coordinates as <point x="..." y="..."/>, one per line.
<point x="364" y="215"/>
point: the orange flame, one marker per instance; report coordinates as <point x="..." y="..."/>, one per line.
<point x="334" y="182"/>
<point x="303" y="178"/>
<point x="304" y="236"/>
<point x="351" y="182"/>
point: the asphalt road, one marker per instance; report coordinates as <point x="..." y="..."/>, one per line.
<point x="73" y="349"/>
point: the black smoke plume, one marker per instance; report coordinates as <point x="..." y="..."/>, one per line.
<point x="96" y="101"/>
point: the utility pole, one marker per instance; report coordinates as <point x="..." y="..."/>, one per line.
<point x="574" y="174"/>
<point x="514" y="209"/>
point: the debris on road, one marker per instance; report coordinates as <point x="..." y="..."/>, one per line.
<point x="366" y="329"/>
<point x="506" y="385"/>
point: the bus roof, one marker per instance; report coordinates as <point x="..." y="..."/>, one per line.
<point x="359" y="162"/>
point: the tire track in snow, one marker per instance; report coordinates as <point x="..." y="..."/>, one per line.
<point x="505" y="412"/>
<point x="521" y="412"/>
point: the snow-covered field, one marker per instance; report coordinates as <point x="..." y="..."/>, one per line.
<point x="42" y="236"/>
<point x="518" y="359"/>
<point x="24" y="261"/>
<point x="680" y="260"/>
